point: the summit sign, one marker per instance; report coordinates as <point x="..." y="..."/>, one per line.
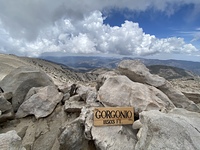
<point x="104" y="116"/>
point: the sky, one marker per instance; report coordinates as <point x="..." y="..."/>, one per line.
<point x="161" y="29"/>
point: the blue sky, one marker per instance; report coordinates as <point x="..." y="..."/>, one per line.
<point x="162" y="29"/>
<point x="183" y="23"/>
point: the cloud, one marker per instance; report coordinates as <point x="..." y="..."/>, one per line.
<point x="194" y="34"/>
<point x="25" y="19"/>
<point x="91" y="36"/>
<point x="33" y="27"/>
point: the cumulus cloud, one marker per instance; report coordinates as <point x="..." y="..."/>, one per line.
<point x="91" y="36"/>
<point x="33" y="27"/>
<point x="27" y="18"/>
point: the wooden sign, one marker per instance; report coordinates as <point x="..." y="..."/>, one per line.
<point x="104" y="116"/>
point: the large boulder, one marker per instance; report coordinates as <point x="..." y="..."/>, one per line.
<point x="121" y="91"/>
<point x="72" y="137"/>
<point x="177" y="130"/>
<point x="21" y="80"/>
<point x="114" y="137"/>
<point x="10" y="141"/>
<point x="42" y="133"/>
<point x="137" y="72"/>
<point x="178" y="98"/>
<point x="189" y="87"/>
<point x="40" y="104"/>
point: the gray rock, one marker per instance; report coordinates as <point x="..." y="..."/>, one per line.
<point x="4" y="104"/>
<point x="87" y="93"/>
<point x="137" y="72"/>
<point x="66" y="97"/>
<point x="22" y="132"/>
<point x="40" y="104"/>
<point x="6" y="109"/>
<point x="45" y="141"/>
<point x="65" y="88"/>
<point x="121" y="91"/>
<point x="75" y="98"/>
<point x="7" y="116"/>
<point x="85" y="96"/>
<point x="178" y="98"/>
<point x="42" y="133"/>
<point x="189" y="87"/>
<point x="86" y="118"/>
<point x="101" y="78"/>
<point x="10" y="141"/>
<point x="74" y="106"/>
<point x="177" y="130"/>
<point x="113" y="137"/>
<point x="21" y="80"/>
<point x="137" y="124"/>
<point x="8" y="95"/>
<point x="193" y="96"/>
<point x="72" y="137"/>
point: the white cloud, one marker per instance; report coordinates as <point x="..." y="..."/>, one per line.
<point x="90" y="36"/>
<point x="33" y="27"/>
<point x="194" y="34"/>
<point x="27" y="18"/>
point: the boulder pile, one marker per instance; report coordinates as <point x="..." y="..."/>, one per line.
<point x="37" y="114"/>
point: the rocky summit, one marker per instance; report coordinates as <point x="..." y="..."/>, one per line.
<point x="46" y="107"/>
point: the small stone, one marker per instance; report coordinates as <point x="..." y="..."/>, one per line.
<point x="137" y="124"/>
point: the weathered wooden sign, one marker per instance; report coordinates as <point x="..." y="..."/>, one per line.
<point x="104" y="116"/>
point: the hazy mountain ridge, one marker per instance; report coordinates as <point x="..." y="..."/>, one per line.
<point x="187" y="65"/>
<point x="84" y="63"/>
<point x="169" y="72"/>
<point x="87" y="63"/>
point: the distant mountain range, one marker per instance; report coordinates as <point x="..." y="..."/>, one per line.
<point x="88" y="63"/>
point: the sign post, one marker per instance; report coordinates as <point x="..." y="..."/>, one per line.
<point x="106" y="116"/>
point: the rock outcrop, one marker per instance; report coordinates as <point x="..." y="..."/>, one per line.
<point x="111" y="138"/>
<point x="193" y="96"/>
<point x="72" y="137"/>
<point x="10" y="141"/>
<point x="21" y="80"/>
<point x="178" y="129"/>
<point x="121" y="91"/>
<point x="5" y="108"/>
<point x="52" y="117"/>
<point x="5" y="105"/>
<point x="189" y="87"/>
<point x="40" y="104"/>
<point x="114" y="137"/>
<point x="137" y="72"/>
